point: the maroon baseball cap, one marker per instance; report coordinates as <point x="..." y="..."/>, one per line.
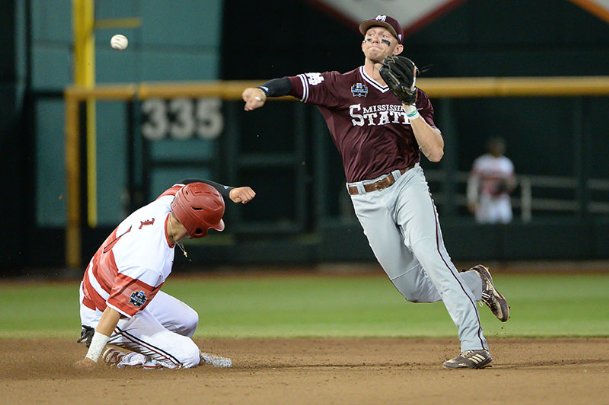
<point x="390" y="23"/>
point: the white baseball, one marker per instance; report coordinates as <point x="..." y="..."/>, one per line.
<point x="119" y="42"/>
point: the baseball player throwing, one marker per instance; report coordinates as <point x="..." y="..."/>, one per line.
<point x="380" y="122"/>
<point x="120" y="299"/>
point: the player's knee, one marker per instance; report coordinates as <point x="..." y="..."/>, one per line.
<point x="411" y="296"/>
<point x="182" y="352"/>
<point x="187" y="322"/>
<point x="189" y="354"/>
<point x="408" y="293"/>
<point x="191" y="322"/>
<point x="193" y="358"/>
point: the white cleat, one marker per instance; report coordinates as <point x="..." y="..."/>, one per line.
<point x="216" y="361"/>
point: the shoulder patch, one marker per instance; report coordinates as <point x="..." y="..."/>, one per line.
<point x="138" y="298"/>
<point x="314" y="78"/>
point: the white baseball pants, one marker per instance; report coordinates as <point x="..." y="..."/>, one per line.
<point x="162" y="331"/>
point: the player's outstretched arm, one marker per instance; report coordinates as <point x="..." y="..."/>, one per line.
<point x="255" y="97"/>
<point x="242" y="195"/>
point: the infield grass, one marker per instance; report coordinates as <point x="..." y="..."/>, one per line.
<point x="335" y="306"/>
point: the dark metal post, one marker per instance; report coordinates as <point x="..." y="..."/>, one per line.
<point x="450" y="163"/>
<point x="300" y="171"/>
<point x="321" y="169"/>
<point x="580" y="151"/>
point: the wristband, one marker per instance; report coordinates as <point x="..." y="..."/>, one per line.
<point x="276" y="87"/>
<point x="97" y="346"/>
<point x="411" y="111"/>
<point x="265" y="90"/>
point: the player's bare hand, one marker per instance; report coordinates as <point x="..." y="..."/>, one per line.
<point x="254" y="98"/>
<point x="242" y="195"/>
<point x="85" y="364"/>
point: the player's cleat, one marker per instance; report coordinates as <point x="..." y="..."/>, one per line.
<point x="470" y="359"/>
<point x="112" y="356"/>
<point x="216" y="361"/>
<point x="490" y="296"/>
<point x="134" y="359"/>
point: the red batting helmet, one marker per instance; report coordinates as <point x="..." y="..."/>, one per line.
<point x="199" y="206"/>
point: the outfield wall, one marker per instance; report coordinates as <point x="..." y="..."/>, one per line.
<point x="301" y="215"/>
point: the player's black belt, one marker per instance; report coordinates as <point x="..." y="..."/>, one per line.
<point x="381" y="184"/>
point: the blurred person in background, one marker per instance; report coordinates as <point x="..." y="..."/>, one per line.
<point x="490" y="183"/>
<point x="121" y="302"/>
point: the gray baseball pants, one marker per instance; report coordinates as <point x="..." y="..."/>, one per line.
<point x="402" y="227"/>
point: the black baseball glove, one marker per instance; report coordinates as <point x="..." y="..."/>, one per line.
<point x="501" y="188"/>
<point x="86" y="335"/>
<point x="400" y="74"/>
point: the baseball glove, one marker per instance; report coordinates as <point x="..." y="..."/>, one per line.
<point x="86" y="335"/>
<point x="501" y="188"/>
<point x="400" y="74"/>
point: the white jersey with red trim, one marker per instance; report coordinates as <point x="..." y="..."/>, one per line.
<point x="132" y="264"/>
<point x="485" y="189"/>
<point x="491" y="171"/>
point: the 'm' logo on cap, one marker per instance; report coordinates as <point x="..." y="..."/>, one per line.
<point x="381" y="18"/>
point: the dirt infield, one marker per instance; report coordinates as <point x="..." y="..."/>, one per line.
<point x="322" y="371"/>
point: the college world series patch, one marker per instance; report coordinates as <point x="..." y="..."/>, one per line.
<point x="138" y="298"/>
<point x="359" y="90"/>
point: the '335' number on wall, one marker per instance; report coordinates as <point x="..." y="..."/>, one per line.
<point x="182" y="118"/>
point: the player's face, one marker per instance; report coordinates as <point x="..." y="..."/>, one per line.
<point x="497" y="148"/>
<point x="378" y="43"/>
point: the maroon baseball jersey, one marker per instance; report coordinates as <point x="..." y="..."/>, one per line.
<point x="366" y="121"/>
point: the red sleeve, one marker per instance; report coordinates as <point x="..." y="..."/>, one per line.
<point x="129" y="295"/>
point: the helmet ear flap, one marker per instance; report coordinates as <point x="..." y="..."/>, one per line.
<point x="199" y="232"/>
<point x="199" y="206"/>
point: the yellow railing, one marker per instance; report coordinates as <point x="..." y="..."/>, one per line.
<point x="474" y="87"/>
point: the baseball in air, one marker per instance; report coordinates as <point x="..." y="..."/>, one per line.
<point x="119" y="42"/>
